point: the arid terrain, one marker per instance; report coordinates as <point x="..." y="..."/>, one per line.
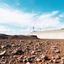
<point x="19" y="49"/>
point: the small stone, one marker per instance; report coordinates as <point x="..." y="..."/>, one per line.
<point x="32" y="52"/>
<point x="57" y="51"/>
<point x="37" y="59"/>
<point x="2" y="46"/>
<point x="62" y="60"/>
<point x="55" y="61"/>
<point x="2" y="53"/>
<point x="17" y="51"/>
<point x="57" y="57"/>
<point x="42" y="56"/>
<point x="28" y="63"/>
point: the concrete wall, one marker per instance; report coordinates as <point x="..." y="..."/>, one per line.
<point x="52" y="34"/>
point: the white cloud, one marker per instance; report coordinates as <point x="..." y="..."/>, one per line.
<point x="20" y="18"/>
<point x="46" y="20"/>
<point x="15" y="17"/>
<point x="48" y="14"/>
<point x="61" y="15"/>
<point x="4" y="29"/>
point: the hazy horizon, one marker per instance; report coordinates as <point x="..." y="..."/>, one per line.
<point x="20" y="16"/>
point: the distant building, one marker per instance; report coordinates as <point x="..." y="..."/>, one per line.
<point x="49" y="34"/>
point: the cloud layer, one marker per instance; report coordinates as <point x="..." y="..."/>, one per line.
<point x="27" y="21"/>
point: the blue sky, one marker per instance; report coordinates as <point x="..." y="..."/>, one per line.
<point x="19" y="16"/>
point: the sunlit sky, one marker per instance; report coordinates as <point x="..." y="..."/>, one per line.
<point x="20" y="16"/>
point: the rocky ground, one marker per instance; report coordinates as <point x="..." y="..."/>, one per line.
<point x="31" y="50"/>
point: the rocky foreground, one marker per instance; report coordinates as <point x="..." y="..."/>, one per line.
<point x="30" y="50"/>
